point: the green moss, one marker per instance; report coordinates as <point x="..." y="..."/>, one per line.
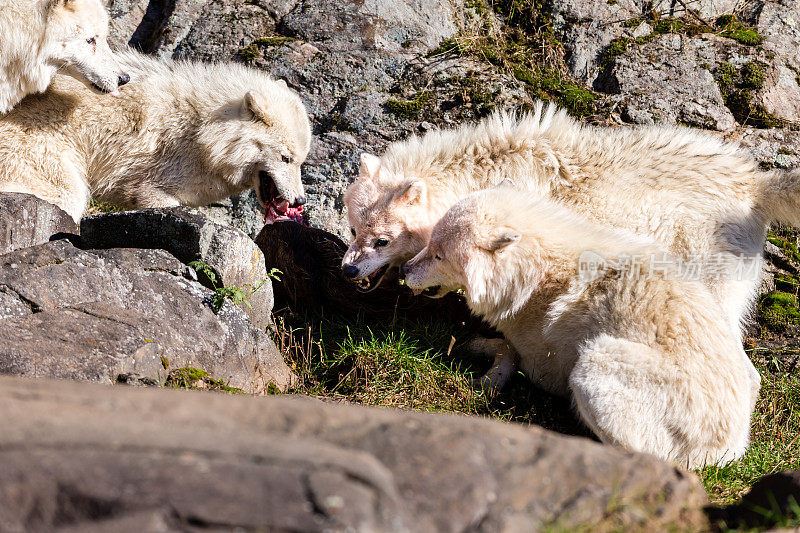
<point x="195" y="378"/>
<point x="725" y="76"/>
<point x="98" y="206"/>
<point x="165" y="363"/>
<point x="633" y="23"/>
<point x="450" y="45"/>
<point x="752" y="75"/>
<point x="408" y="109"/>
<point x="732" y="28"/>
<point x="786" y="283"/>
<point x="738" y="88"/>
<point x="273" y="40"/>
<point x="777" y="310"/>
<point x="615" y="48"/>
<point x="249" y="53"/>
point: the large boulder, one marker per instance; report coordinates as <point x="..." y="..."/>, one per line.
<point x="95" y="314"/>
<point x="83" y="457"/>
<point x="669" y="80"/>
<point x="25" y="220"/>
<point x="226" y="256"/>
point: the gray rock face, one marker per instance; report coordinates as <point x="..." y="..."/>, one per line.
<point x="25" y="220"/>
<point x="92" y="315"/>
<point x="235" y="259"/>
<point x="669" y="80"/>
<point x="80" y="456"/>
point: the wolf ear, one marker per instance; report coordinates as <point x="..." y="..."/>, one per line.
<point x="256" y="103"/>
<point x="500" y="239"/>
<point x="370" y="165"/>
<point x="411" y="192"/>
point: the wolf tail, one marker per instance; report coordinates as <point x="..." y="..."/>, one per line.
<point x="779" y="197"/>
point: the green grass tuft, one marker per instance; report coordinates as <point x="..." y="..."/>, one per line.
<point x="775" y="443"/>
<point x="732" y="28"/>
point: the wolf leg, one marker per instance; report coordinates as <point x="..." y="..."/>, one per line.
<point x="506" y="362"/>
<point x="634" y="396"/>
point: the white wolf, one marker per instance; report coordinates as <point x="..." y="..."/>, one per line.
<point x="698" y="195"/>
<point x="644" y="350"/>
<point x="180" y="133"/>
<point x="39" y="37"/>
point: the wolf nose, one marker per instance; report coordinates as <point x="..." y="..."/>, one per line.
<point x="123" y="79"/>
<point x="350" y="271"/>
<point x="300" y="200"/>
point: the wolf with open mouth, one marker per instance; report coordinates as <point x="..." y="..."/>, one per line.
<point x="179" y="133"/>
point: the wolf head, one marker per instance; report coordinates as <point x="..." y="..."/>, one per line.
<point x="476" y="247"/>
<point x="260" y="141"/>
<point x="390" y="221"/>
<point x="77" y="41"/>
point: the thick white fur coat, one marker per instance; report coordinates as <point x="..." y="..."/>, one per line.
<point x="180" y="133"/>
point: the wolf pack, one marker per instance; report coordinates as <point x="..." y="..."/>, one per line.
<point x="619" y="264"/>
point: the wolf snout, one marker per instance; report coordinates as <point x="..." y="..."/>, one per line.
<point x="123" y="79"/>
<point x="300" y="200"/>
<point x="349" y="271"/>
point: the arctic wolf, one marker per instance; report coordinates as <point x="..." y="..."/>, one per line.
<point x="699" y="196"/>
<point x="180" y="133"/>
<point x="603" y="316"/>
<point x="39" y="37"/>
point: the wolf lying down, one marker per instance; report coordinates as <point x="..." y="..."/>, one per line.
<point x="645" y="351"/>
<point x="180" y="133"/>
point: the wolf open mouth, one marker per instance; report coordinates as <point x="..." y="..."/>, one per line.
<point x="275" y="207"/>
<point x="114" y="92"/>
<point x="431" y="292"/>
<point x="371" y="282"/>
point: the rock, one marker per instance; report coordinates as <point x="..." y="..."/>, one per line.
<point x="94" y="314"/>
<point x="235" y="260"/>
<point x="668" y="80"/>
<point x="242" y="212"/>
<point x="79" y="456"/>
<point x="25" y="220"/>
<point x="772" y="496"/>
<point x="778" y="148"/>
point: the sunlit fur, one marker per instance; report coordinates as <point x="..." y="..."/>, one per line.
<point x="688" y="189"/>
<point x="646" y="353"/>
<point x="181" y="133"/>
<point x="39" y="37"/>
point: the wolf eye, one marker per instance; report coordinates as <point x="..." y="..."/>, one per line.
<point x="381" y="242"/>
<point x="286" y="158"/>
<point x="91" y="40"/>
<point x="437" y="257"/>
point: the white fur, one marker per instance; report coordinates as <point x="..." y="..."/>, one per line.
<point x="181" y="133"/>
<point x="39" y="37"/>
<point x="693" y="192"/>
<point x="646" y="352"/>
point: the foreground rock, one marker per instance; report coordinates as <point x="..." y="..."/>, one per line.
<point x="79" y="456"/>
<point x="234" y="260"/>
<point x="26" y="221"/>
<point x="94" y="314"/>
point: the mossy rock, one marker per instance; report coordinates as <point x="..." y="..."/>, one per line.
<point x="408" y="109"/>
<point x="732" y="28"/>
<point x="777" y="310"/>
<point x="195" y="378"/>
